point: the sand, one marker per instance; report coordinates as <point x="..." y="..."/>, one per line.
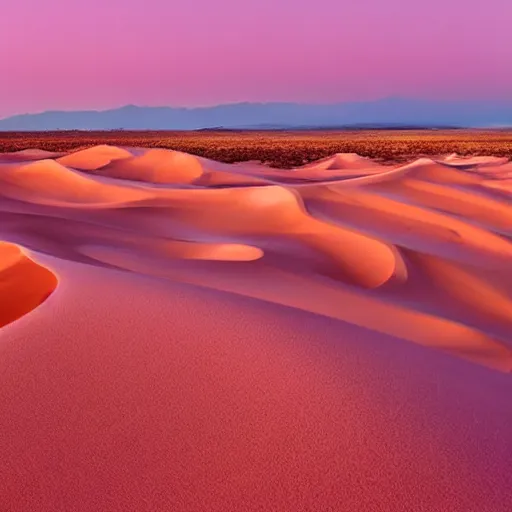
<point x="182" y="334"/>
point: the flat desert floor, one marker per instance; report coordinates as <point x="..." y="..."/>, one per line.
<point x="183" y="334"/>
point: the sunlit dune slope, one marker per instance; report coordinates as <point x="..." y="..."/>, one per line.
<point x="24" y="284"/>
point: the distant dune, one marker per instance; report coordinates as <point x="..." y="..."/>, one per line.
<point x="180" y="334"/>
<point x="384" y="113"/>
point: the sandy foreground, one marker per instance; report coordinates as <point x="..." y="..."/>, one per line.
<point x="179" y="334"/>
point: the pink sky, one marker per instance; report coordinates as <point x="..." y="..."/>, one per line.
<point x="81" y="54"/>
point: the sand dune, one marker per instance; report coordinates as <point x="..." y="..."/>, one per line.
<point x="343" y="161"/>
<point x="49" y="182"/>
<point x="155" y="166"/>
<point x="93" y="158"/>
<point x="183" y="334"/>
<point x="27" y="155"/>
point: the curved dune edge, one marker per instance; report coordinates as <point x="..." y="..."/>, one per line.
<point x="24" y="284"/>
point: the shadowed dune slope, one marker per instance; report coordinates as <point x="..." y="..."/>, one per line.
<point x="232" y="337"/>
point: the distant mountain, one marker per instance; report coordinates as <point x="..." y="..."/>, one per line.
<point x="392" y="112"/>
<point x="334" y="127"/>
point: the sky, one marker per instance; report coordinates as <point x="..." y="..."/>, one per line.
<point x="98" y="54"/>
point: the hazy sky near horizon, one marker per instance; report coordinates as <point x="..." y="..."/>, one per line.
<point x="81" y="54"/>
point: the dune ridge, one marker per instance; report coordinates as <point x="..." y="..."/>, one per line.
<point x="336" y="336"/>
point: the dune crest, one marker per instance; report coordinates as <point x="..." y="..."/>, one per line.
<point x="337" y="336"/>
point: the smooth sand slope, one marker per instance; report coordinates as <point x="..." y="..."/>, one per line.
<point x="181" y="334"/>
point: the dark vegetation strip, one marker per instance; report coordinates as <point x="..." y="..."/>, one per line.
<point x="279" y="148"/>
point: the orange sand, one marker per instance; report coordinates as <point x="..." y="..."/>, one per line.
<point x="221" y="337"/>
<point x="23" y="284"/>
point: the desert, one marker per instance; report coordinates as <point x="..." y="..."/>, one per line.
<point x="183" y="333"/>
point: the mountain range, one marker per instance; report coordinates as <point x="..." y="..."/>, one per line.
<point x="392" y="112"/>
